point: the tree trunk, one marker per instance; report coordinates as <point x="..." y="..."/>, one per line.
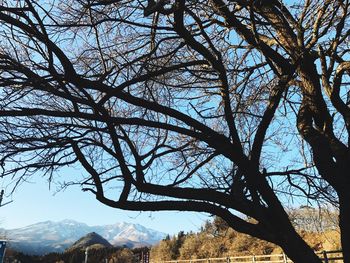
<point x="344" y="223"/>
<point x="297" y="249"/>
<point x="289" y="240"/>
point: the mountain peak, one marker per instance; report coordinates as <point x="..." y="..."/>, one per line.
<point x="69" y="221"/>
<point x="90" y="240"/>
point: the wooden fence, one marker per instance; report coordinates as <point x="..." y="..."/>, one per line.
<point x="331" y="256"/>
<point x="335" y="256"/>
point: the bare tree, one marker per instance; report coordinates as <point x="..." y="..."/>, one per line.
<point x="213" y="106"/>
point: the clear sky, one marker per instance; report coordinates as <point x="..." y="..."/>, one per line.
<point x="33" y="202"/>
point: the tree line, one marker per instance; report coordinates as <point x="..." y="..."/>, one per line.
<point x="112" y="255"/>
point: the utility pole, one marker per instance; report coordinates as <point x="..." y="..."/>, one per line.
<point x="86" y="254"/>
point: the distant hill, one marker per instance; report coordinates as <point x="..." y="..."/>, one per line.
<point x="91" y="240"/>
<point x="46" y="237"/>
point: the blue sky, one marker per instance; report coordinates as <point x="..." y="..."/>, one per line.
<point x="33" y="202"/>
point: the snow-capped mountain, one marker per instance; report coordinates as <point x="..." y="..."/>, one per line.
<point x="48" y="236"/>
<point x="119" y="233"/>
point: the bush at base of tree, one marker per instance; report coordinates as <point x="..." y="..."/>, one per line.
<point x="113" y="255"/>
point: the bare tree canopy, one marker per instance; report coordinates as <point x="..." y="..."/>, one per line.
<point x="224" y="107"/>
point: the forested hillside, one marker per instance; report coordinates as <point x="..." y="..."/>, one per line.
<point x="112" y="255"/>
<point x="216" y="239"/>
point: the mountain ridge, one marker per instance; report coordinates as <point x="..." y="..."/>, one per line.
<point x="56" y="236"/>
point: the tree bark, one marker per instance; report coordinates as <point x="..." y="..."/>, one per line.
<point x="344" y="223"/>
<point x="285" y="236"/>
<point x="297" y="249"/>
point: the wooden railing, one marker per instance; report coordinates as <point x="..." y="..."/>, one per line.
<point x="335" y="256"/>
<point x="331" y="256"/>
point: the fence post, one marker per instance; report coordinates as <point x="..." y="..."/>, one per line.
<point x="284" y="258"/>
<point x="325" y="256"/>
<point x="253" y="259"/>
<point x="228" y="260"/>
